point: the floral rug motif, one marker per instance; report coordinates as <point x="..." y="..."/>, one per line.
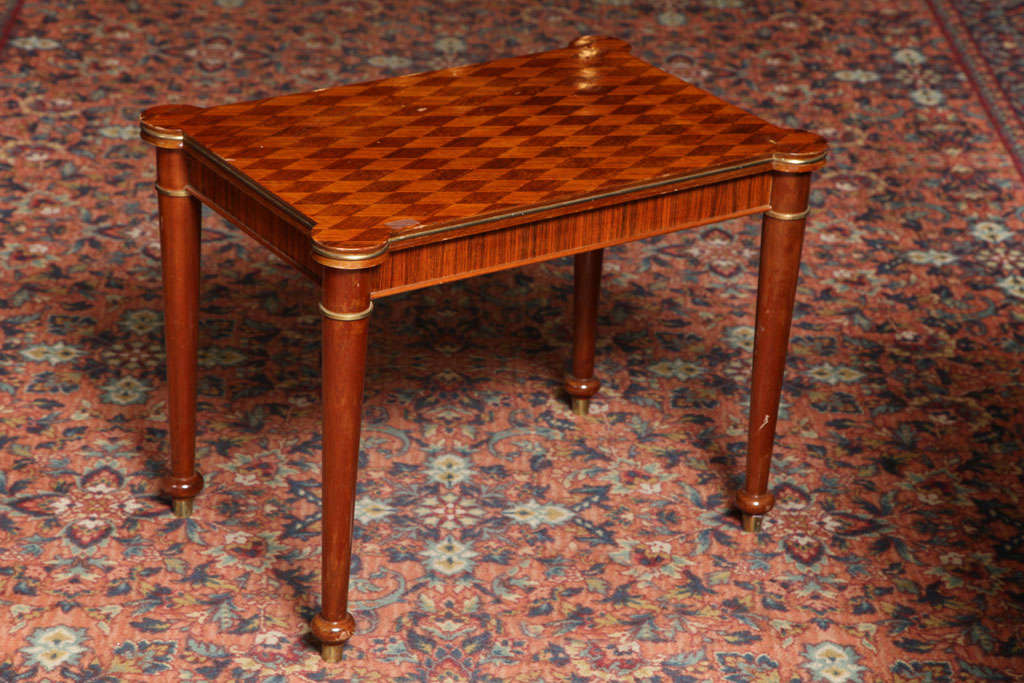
<point x="499" y="537"/>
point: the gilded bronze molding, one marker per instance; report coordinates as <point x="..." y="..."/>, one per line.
<point x="335" y="256"/>
<point x="345" y="317"/>
<point x="169" y="192"/>
<point x="161" y="138"/>
<point x="778" y="215"/>
<point x="337" y="260"/>
<point x="791" y="161"/>
<point x="665" y="182"/>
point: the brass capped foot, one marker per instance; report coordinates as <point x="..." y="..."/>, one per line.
<point x="580" y="406"/>
<point x="331" y="653"/>
<point x="182" y="507"/>
<point x="332" y="634"/>
<point x="752" y="523"/>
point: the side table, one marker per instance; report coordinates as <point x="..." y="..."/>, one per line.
<point x="384" y="187"/>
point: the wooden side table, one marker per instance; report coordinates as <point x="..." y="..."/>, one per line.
<point x="384" y="187"/>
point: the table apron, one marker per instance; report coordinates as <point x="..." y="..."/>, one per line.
<point x="268" y="224"/>
<point x="463" y="257"/>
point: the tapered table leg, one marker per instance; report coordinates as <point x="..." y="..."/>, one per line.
<point x="345" y="305"/>
<point x="179" y="247"/>
<point x="782" y="235"/>
<point x="580" y="382"/>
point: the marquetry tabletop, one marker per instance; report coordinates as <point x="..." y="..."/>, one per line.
<point x="372" y="166"/>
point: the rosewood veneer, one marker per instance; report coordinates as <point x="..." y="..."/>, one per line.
<point x="383" y="187"/>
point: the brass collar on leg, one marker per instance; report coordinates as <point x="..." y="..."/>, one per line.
<point x="346" y="317"/>
<point x="787" y="216"/>
<point x="169" y="192"/>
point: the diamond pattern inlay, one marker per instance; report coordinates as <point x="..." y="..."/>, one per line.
<point x="371" y="162"/>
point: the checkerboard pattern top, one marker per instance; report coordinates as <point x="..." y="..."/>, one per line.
<point x="374" y="162"/>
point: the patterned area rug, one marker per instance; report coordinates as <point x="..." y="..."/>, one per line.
<point x="498" y="537"/>
<point x="988" y="40"/>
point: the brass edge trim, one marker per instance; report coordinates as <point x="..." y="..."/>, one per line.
<point x="345" y="317"/>
<point x="782" y="158"/>
<point x="581" y="200"/>
<point x="234" y="173"/>
<point x="335" y="256"/>
<point x="160" y="143"/>
<point x="787" y="216"/>
<point x="168" y="192"/>
<point x="153" y="132"/>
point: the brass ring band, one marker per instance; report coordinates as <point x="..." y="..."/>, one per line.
<point x="782" y="158"/>
<point x="787" y="216"/>
<point x="170" y="193"/>
<point x="346" y="317"/>
<point x="160" y="135"/>
<point x="317" y="249"/>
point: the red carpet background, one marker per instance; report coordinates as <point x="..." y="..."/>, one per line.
<point x="499" y="537"/>
<point x="987" y="38"/>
